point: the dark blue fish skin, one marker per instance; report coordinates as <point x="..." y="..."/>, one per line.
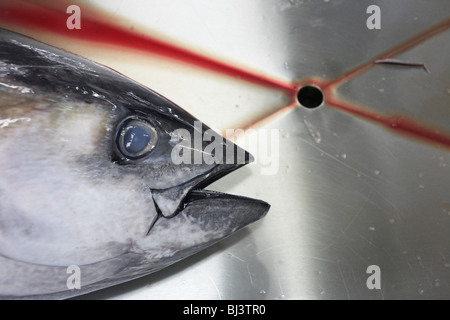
<point x="67" y="75"/>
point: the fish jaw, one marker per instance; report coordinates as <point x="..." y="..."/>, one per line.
<point x="207" y="218"/>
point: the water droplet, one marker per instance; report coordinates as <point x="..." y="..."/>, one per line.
<point x="381" y="90"/>
<point x="419" y="258"/>
<point x="377" y="172"/>
<point x="322" y="292"/>
<point x="391" y="220"/>
<point x="262" y="291"/>
<point x="372" y="228"/>
<point x="447" y="265"/>
<point x="314" y="133"/>
<point x="420" y="174"/>
<point x="344" y="156"/>
<point x="421" y="186"/>
<point x="421" y="291"/>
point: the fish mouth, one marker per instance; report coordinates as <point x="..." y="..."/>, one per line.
<point x="203" y="218"/>
<point x="192" y="196"/>
<point x="254" y="209"/>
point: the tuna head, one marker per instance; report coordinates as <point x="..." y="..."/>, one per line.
<point x="101" y="173"/>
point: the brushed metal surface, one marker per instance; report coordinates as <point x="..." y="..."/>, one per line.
<point x="349" y="192"/>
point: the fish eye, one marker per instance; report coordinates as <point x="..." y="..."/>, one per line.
<point x="136" y="138"/>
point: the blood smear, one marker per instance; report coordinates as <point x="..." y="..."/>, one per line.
<point x="53" y="18"/>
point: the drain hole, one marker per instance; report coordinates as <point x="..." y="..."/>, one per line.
<point x="310" y="97"/>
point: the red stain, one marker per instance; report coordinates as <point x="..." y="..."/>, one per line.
<point x="392" y="52"/>
<point x="52" y="17"/>
<point x="396" y="123"/>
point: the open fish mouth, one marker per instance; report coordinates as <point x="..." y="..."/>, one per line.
<point x="193" y="194"/>
<point x="258" y="208"/>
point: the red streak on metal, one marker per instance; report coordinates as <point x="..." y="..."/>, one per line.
<point x="395" y="123"/>
<point x="391" y="53"/>
<point x="53" y="19"/>
<point x="262" y="120"/>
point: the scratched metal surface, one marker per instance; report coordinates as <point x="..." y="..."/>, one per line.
<point x="349" y="193"/>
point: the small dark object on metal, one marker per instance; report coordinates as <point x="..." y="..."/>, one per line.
<point x="403" y="63"/>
